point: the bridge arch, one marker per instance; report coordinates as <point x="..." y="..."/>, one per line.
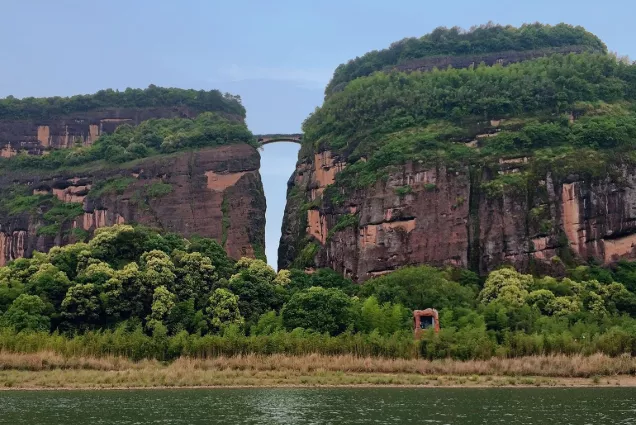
<point x="264" y="139"/>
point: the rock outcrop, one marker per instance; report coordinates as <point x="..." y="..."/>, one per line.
<point x="36" y="136"/>
<point x="212" y="192"/>
<point x="490" y="59"/>
<point x="446" y="217"/>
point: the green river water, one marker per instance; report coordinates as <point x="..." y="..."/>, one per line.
<point x="323" y="406"/>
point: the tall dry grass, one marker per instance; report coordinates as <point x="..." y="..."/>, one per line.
<point x="561" y="366"/>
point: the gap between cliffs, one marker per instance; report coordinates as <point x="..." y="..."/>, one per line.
<point x="278" y="162"/>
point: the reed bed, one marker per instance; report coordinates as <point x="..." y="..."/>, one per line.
<point x="563" y="366"/>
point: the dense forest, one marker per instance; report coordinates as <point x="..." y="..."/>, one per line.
<point x="43" y="108"/>
<point x="456" y="42"/>
<point x="134" y="291"/>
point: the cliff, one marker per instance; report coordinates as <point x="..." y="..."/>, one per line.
<point x="39" y="125"/>
<point x="447" y="218"/>
<point x="523" y="160"/>
<point x="182" y="161"/>
<point x="213" y="192"/>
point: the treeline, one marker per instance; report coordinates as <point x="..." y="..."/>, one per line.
<point x="455" y="41"/>
<point x="153" y="96"/>
<point x="151" y="137"/>
<point x="132" y="291"/>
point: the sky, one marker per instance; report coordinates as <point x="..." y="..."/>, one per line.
<point x="278" y="55"/>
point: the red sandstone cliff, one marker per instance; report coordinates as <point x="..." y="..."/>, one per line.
<point x="213" y="192"/>
<point x="448" y="219"/>
<point x="36" y="136"/>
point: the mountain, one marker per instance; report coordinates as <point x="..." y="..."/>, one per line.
<point x="475" y="149"/>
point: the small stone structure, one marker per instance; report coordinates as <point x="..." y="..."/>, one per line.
<point x="425" y="319"/>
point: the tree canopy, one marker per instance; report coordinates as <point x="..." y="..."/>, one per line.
<point x="153" y="291"/>
<point x="151" y="97"/>
<point x="455" y="41"/>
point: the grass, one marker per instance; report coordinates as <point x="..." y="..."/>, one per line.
<point x="158" y="189"/>
<point x="225" y="220"/>
<point x="115" y="185"/>
<point x="348" y="220"/>
<point x="50" y="370"/>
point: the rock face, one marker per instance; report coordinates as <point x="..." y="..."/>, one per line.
<point x="490" y="59"/>
<point x="213" y="192"/>
<point x="447" y="218"/>
<point x="83" y="128"/>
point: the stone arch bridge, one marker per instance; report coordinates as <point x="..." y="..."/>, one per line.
<point x="264" y="139"/>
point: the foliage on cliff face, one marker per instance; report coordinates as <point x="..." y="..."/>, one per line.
<point x="151" y="137"/>
<point x="558" y="109"/>
<point x="455" y="41"/>
<point x="151" y="97"/>
<point x="53" y="213"/>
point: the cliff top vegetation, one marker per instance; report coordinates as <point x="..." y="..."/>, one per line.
<point x="151" y="97"/>
<point x="562" y="107"/>
<point x="483" y="39"/>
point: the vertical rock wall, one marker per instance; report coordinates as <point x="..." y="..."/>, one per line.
<point x="213" y="192"/>
<point x="447" y="218"/>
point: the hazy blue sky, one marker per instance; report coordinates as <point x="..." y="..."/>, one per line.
<point x="277" y="54"/>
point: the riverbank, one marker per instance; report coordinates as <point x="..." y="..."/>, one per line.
<point x="51" y="371"/>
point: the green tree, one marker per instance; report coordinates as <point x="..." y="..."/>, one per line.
<point x="385" y="319"/>
<point x="163" y="302"/>
<point x="27" y="313"/>
<point x="540" y="298"/>
<point x="128" y="293"/>
<point x="97" y="273"/>
<point x="10" y="288"/>
<point x="223" y="310"/>
<point x="157" y="269"/>
<point x="195" y="276"/>
<point x="210" y="248"/>
<point x="81" y="306"/>
<point x="267" y="324"/>
<point x="319" y="309"/>
<point x="49" y="283"/>
<point x="506" y="286"/>
<point x="182" y="317"/>
<point x="254" y="285"/>
<point x="419" y="288"/>
<point x="65" y="258"/>
<point x="328" y="278"/>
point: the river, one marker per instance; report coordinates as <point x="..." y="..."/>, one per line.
<point x="323" y="406"/>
